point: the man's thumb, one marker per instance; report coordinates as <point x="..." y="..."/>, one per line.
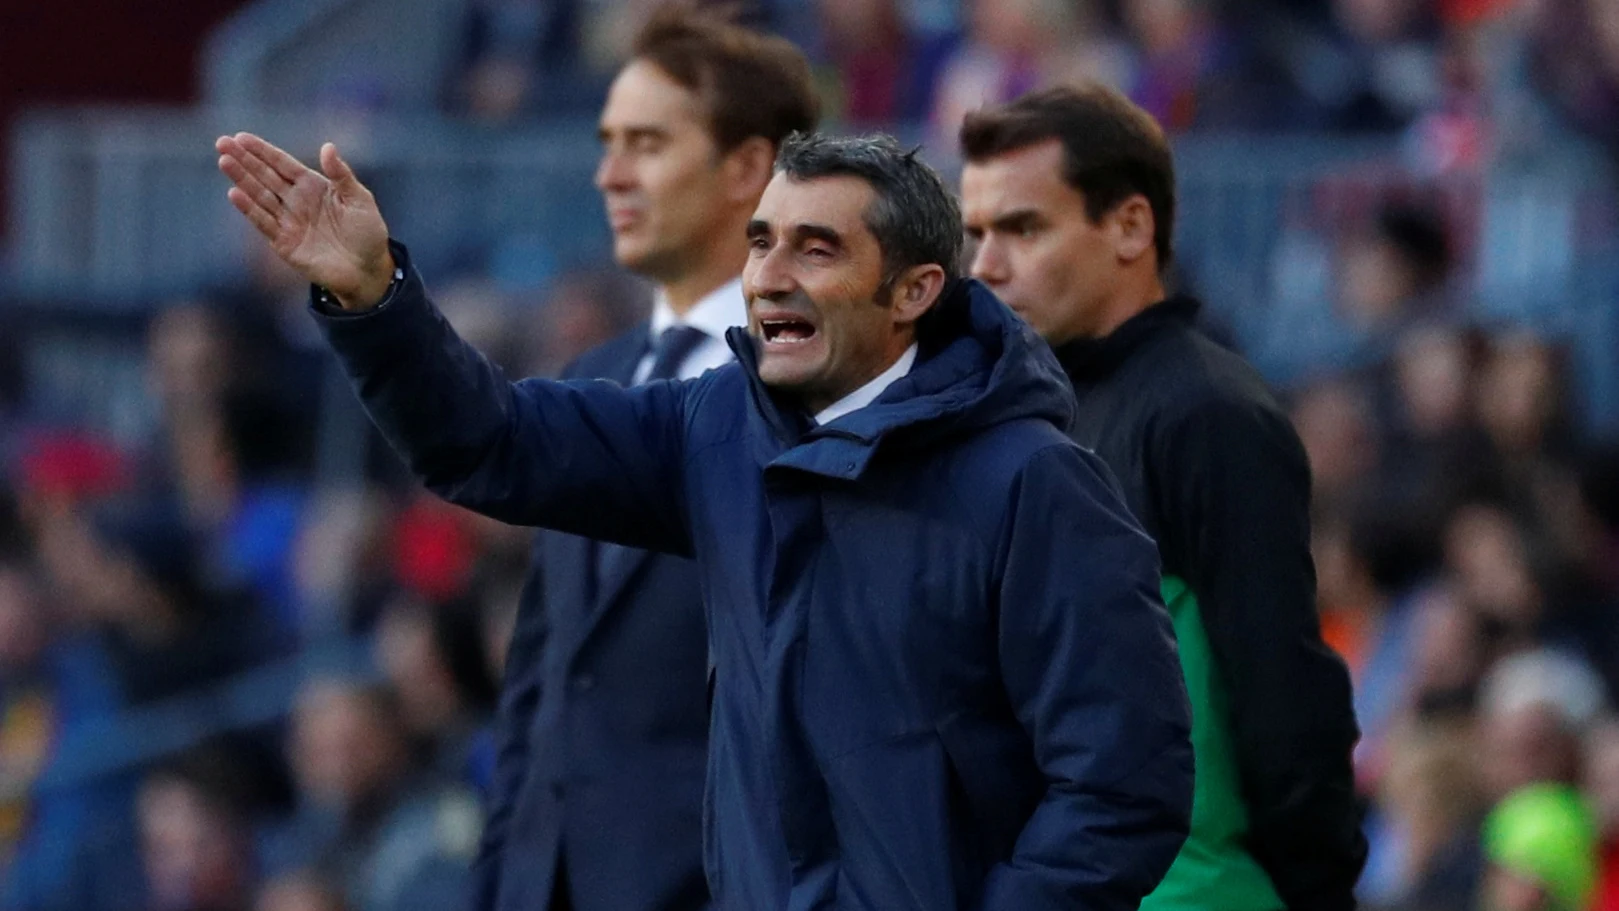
<point x="334" y="167"/>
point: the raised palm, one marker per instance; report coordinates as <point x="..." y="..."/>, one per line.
<point x="325" y="225"/>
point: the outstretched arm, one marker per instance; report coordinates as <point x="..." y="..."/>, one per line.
<point x="588" y="458"/>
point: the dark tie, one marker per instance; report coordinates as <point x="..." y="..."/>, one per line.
<point x="673" y="346"/>
<point x="671" y="350"/>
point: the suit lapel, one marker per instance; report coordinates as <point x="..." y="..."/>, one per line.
<point x="614" y="566"/>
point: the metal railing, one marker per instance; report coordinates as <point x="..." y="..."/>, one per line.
<point x="297" y="52"/>
<point x="96" y="748"/>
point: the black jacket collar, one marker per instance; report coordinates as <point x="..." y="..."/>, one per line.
<point x="1098" y="357"/>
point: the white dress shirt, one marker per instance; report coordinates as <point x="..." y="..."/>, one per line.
<point x="868" y="393"/>
<point x="718" y="311"/>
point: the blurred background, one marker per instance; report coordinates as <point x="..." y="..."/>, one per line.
<point x="245" y="663"/>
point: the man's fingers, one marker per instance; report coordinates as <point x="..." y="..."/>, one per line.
<point x="249" y="183"/>
<point x="289" y="168"/>
<point x="261" y="219"/>
<point x="262" y="172"/>
<point x="332" y="164"/>
<point x="240" y="166"/>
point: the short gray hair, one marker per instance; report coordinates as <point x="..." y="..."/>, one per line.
<point x="915" y="217"/>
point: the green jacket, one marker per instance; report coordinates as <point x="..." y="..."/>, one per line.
<point x="1214" y="868"/>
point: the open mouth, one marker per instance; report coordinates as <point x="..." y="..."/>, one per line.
<point x="787" y="331"/>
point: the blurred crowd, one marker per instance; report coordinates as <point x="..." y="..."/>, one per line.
<point x="1450" y="69"/>
<point x="1466" y="535"/>
<point x="1467" y="524"/>
<point x="144" y="581"/>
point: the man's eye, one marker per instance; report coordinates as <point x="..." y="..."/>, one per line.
<point x="818" y="253"/>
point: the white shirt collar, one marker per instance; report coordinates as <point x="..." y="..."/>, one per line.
<point x="868" y="393"/>
<point x="716" y="312"/>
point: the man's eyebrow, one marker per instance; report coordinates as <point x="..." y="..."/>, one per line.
<point x="631" y="132"/>
<point x="821" y="233"/>
<point x="758" y="227"/>
<point x="1017" y="218"/>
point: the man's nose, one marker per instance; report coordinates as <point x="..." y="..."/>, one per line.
<point x="989" y="263"/>
<point x="770" y="276"/>
<point x="613" y="172"/>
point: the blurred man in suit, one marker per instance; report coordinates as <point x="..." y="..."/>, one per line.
<point x="597" y="798"/>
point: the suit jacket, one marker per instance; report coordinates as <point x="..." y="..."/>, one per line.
<point x="603" y="724"/>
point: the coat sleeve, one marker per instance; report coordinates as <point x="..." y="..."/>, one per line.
<point x="519" y="699"/>
<point x="1088" y="658"/>
<point x="1233" y="484"/>
<point x="586" y="457"/>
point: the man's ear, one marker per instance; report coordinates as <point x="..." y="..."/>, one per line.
<point x="915" y="291"/>
<point x="1131" y="225"/>
<point x="748" y="168"/>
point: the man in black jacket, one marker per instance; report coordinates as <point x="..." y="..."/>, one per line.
<point x="1069" y="194"/>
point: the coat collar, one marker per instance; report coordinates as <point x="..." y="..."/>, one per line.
<point x="978" y="365"/>
<point x="1097" y="357"/>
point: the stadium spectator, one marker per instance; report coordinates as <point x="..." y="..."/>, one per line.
<point x="1194" y="70"/>
<point x="434" y="658"/>
<point x="875" y="68"/>
<point x="195" y="841"/>
<point x="1424" y="839"/>
<point x="396" y="837"/>
<point x="1337" y="424"/>
<point x="1535" y="710"/>
<point x="1393" y="274"/>
<point x="299" y="891"/>
<point x="1574" y="63"/>
<point x="1541" y="843"/>
<point x="1014" y="46"/>
<point x="1374" y="66"/>
<point x="54" y="847"/>
<point x="1601" y="762"/>
<point x="522" y="58"/>
<point x="582" y="311"/>
<point x="134" y="572"/>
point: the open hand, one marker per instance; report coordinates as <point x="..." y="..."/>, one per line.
<point x="324" y="224"/>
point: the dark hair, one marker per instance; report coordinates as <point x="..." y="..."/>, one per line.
<point x="1418" y="236"/>
<point x="915" y="218"/>
<point x="457" y="628"/>
<point x="752" y="84"/>
<point x="1112" y="149"/>
<point x="152" y="532"/>
<point x="235" y="777"/>
<point x="16" y="545"/>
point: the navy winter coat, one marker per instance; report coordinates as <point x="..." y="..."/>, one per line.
<point x="943" y="675"/>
